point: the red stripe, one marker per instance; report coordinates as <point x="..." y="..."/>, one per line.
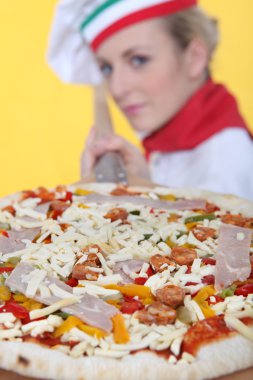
<point x="141" y="15"/>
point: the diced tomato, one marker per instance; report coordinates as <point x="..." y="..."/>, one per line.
<point x="244" y="290"/>
<point x="208" y="260"/>
<point x="140" y="280"/>
<point x="72" y="282"/>
<point x="16" y="309"/>
<point x="208" y="280"/>
<point x="189" y="283"/>
<point x="130" y="305"/>
<point x="189" y="270"/>
<point x="152" y="210"/>
<point x="6" y="269"/>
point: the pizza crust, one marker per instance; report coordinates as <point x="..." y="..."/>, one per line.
<point x="213" y="360"/>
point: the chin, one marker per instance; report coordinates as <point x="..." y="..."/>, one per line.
<point x="143" y="125"/>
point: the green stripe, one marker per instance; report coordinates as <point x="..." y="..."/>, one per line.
<point x="97" y="11"/>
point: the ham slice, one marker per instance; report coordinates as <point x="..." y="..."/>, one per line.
<point x="125" y="268"/>
<point x="14" y="242"/>
<point x="232" y="257"/>
<point x="184" y="204"/>
<point x="90" y="309"/>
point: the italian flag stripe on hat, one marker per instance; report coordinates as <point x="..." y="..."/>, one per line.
<point x="110" y="16"/>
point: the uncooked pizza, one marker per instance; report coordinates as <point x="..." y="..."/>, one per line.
<point x="100" y="282"/>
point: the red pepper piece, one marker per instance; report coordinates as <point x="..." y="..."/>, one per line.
<point x="244" y="290"/>
<point x="130" y="305"/>
<point x="140" y="280"/>
<point x="6" y="269"/>
<point x="68" y="197"/>
<point x="208" y="280"/>
<point x="72" y="282"/>
<point x="191" y="283"/>
<point x="208" y="260"/>
<point x="16" y="309"/>
<point x="150" y="272"/>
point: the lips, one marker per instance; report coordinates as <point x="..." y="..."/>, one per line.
<point x="133" y="109"/>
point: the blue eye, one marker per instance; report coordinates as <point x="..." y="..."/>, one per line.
<point x="106" y="70"/>
<point x="139" y="60"/>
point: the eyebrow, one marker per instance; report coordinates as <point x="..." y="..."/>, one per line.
<point x="128" y="52"/>
<point x="133" y="50"/>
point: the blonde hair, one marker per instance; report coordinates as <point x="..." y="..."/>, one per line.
<point x="193" y="23"/>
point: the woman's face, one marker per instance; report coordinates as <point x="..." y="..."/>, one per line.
<point x="147" y="74"/>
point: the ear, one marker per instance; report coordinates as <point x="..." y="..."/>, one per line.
<point x="197" y="58"/>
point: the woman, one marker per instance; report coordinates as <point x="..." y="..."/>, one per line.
<point x="155" y="57"/>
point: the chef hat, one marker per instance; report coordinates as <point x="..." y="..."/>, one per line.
<point x="80" y="26"/>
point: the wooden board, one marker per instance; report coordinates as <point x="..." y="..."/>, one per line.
<point x="242" y="375"/>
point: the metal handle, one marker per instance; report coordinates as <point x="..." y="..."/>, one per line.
<point x="110" y="166"/>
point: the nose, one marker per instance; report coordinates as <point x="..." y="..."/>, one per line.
<point x="120" y="84"/>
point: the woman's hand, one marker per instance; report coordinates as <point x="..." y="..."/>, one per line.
<point x="134" y="161"/>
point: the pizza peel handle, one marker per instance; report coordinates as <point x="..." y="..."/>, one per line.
<point x="110" y="166"/>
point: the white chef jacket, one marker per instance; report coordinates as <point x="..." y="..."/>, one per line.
<point x="223" y="163"/>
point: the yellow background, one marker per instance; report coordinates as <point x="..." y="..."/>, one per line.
<point x="44" y="123"/>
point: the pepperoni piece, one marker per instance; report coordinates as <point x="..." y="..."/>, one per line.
<point x="157" y="261"/>
<point x="211" y="207"/>
<point x="157" y="313"/>
<point x="56" y="209"/>
<point x="202" y="233"/>
<point x="117" y="213"/>
<point x="237" y="220"/>
<point x="9" y="209"/>
<point x="123" y="190"/>
<point x="183" y="256"/>
<point x="81" y="272"/>
<point x="171" y="295"/>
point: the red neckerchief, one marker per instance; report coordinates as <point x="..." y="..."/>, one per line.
<point x="209" y="111"/>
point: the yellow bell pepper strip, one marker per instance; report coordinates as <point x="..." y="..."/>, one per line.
<point x="32" y="305"/>
<point x="201" y="300"/>
<point x="131" y="290"/>
<point x="191" y="225"/>
<point x="115" y="303"/>
<point x="5" y="294"/>
<point x="27" y="303"/>
<point x="72" y="322"/>
<point x="20" y="298"/>
<point x="170" y="243"/>
<point x="83" y="192"/>
<point x="98" y="333"/>
<point x="148" y="301"/>
<point x="168" y="197"/>
<point x="67" y="325"/>
<point x="120" y="333"/>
